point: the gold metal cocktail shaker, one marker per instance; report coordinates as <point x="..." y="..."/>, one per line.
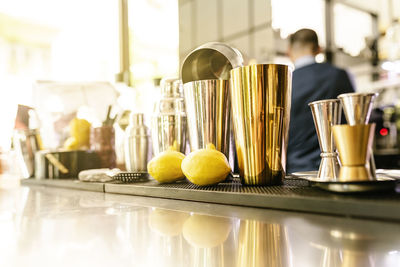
<point x="260" y="99"/>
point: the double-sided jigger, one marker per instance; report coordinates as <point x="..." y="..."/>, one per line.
<point x="327" y="113"/>
<point x="354" y="140"/>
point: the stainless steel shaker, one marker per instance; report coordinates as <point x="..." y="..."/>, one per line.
<point x="26" y="144"/>
<point x="205" y="75"/>
<point x="169" y="118"/>
<point x="208" y="107"/>
<point x="136" y="144"/>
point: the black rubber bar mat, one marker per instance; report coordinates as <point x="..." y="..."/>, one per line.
<point x="294" y="195"/>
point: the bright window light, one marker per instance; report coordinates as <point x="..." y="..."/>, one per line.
<point x="67" y="40"/>
<point x="352" y="27"/>
<point x="289" y="16"/>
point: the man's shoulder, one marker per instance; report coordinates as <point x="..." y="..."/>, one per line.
<point x="326" y="66"/>
<point x="320" y="69"/>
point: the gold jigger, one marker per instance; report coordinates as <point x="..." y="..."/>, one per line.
<point x="353" y="143"/>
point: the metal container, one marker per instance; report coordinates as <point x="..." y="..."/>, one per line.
<point x="210" y="61"/>
<point x="136" y="144"/>
<point x="354" y="143"/>
<point x="261" y="97"/>
<point x="327" y="113"/>
<point x="208" y="113"/>
<point x="102" y="141"/>
<point x="64" y="164"/>
<point x="26" y="144"/>
<point x="168" y="127"/>
<point x="357" y="109"/>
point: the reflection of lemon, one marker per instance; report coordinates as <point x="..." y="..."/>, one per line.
<point x="80" y="134"/>
<point x="206" y="231"/>
<point x="167" y="222"/>
<point x="174" y="146"/>
<point x="166" y="166"/>
<point x="206" y="166"/>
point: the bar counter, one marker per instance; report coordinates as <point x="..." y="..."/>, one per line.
<point x="49" y="226"/>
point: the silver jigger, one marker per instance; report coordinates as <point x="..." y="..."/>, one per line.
<point x="327" y="113"/>
<point x="357" y="109"/>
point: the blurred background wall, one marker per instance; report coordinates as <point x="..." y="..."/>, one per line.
<point x="81" y="40"/>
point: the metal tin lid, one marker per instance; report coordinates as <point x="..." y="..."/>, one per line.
<point x="171" y="87"/>
<point x="169" y="106"/>
<point x="210" y="61"/>
<point x="136" y="119"/>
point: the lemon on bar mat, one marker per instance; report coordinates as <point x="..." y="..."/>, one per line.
<point x="206" y="166"/>
<point x="80" y="134"/>
<point x="166" y="166"/>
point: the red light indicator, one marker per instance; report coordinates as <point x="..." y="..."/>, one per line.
<point x="384" y="131"/>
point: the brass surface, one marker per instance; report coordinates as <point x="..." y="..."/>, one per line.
<point x="354" y="173"/>
<point x="353" y="144"/>
<point x="260" y="96"/>
<point x="262" y="244"/>
<point x="208" y="111"/>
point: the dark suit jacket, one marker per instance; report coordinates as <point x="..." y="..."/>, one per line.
<point x="310" y="83"/>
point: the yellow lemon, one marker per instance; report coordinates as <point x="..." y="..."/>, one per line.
<point x="80" y="130"/>
<point x="166" y="166"/>
<point x="206" y="166"/>
<point x="206" y="231"/>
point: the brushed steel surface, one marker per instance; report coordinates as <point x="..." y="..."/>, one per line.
<point x="58" y="227"/>
<point x="210" y="61"/>
<point x="261" y="96"/>
<point x="208" y="109"/>
<point x="136" y="144"/>
<point x="354" y="145"/>
<point x="327" y="113"/>
<point x="169" y="122"/>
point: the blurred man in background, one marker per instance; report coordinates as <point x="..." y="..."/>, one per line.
<point x="311" y="81"/>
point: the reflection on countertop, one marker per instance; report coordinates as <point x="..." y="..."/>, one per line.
<point x="42" y="226"/>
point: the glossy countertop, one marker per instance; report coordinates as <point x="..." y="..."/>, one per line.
<point x="43" y="226"/>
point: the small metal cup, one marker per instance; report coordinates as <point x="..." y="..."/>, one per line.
<point x="357" y="109"/>
<point x="208" y="111"/>
<point x="354" y="145"/>
<point x="261" y="96"/>
<point x="327" y="113"/>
